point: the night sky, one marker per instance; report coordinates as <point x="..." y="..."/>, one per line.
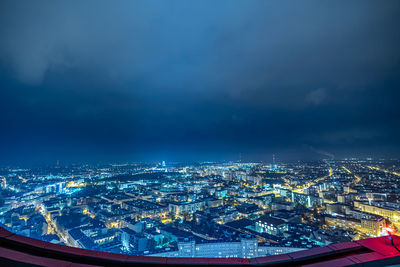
<point x="90" y="81"/>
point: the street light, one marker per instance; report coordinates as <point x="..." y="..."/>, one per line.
<point x="390" y="231"/>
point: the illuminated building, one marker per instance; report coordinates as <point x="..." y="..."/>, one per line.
<point x="246" y="248"/>
<point x="371" y="226"/>
<point x="343" y="222"/>
<point x="390" y="213"/>
<point x="270" y="225"/>
<point x="189" y="207"/>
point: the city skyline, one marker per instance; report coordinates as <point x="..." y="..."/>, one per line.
<point x="208" y="209"/>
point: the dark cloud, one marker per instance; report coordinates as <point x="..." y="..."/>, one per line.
<point x="179" y="79"/>
<point x="317" y="96"/>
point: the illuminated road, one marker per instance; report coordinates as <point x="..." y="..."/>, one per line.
<point x="309" y="184"/>
<point x="52" y="225"/>
<point x="287" y="181"/>
<point x="54" y="229"/>
<point x="22" y="179"/>
<point x="383" y="170"/>
<point x="357" y="178"/>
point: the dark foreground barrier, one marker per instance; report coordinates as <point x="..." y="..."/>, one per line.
<point x="16" y="250"/>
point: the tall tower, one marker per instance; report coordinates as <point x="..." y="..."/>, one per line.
<point x="273" y="164"/>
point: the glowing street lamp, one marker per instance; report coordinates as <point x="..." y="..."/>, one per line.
<point x="390" y="231"/>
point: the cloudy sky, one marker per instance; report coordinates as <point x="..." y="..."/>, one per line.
<point x="195" y="80"/>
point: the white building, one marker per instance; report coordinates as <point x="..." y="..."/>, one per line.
<point x="246" y="248"/>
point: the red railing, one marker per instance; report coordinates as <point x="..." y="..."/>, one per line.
<point x="16" y="250"/>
